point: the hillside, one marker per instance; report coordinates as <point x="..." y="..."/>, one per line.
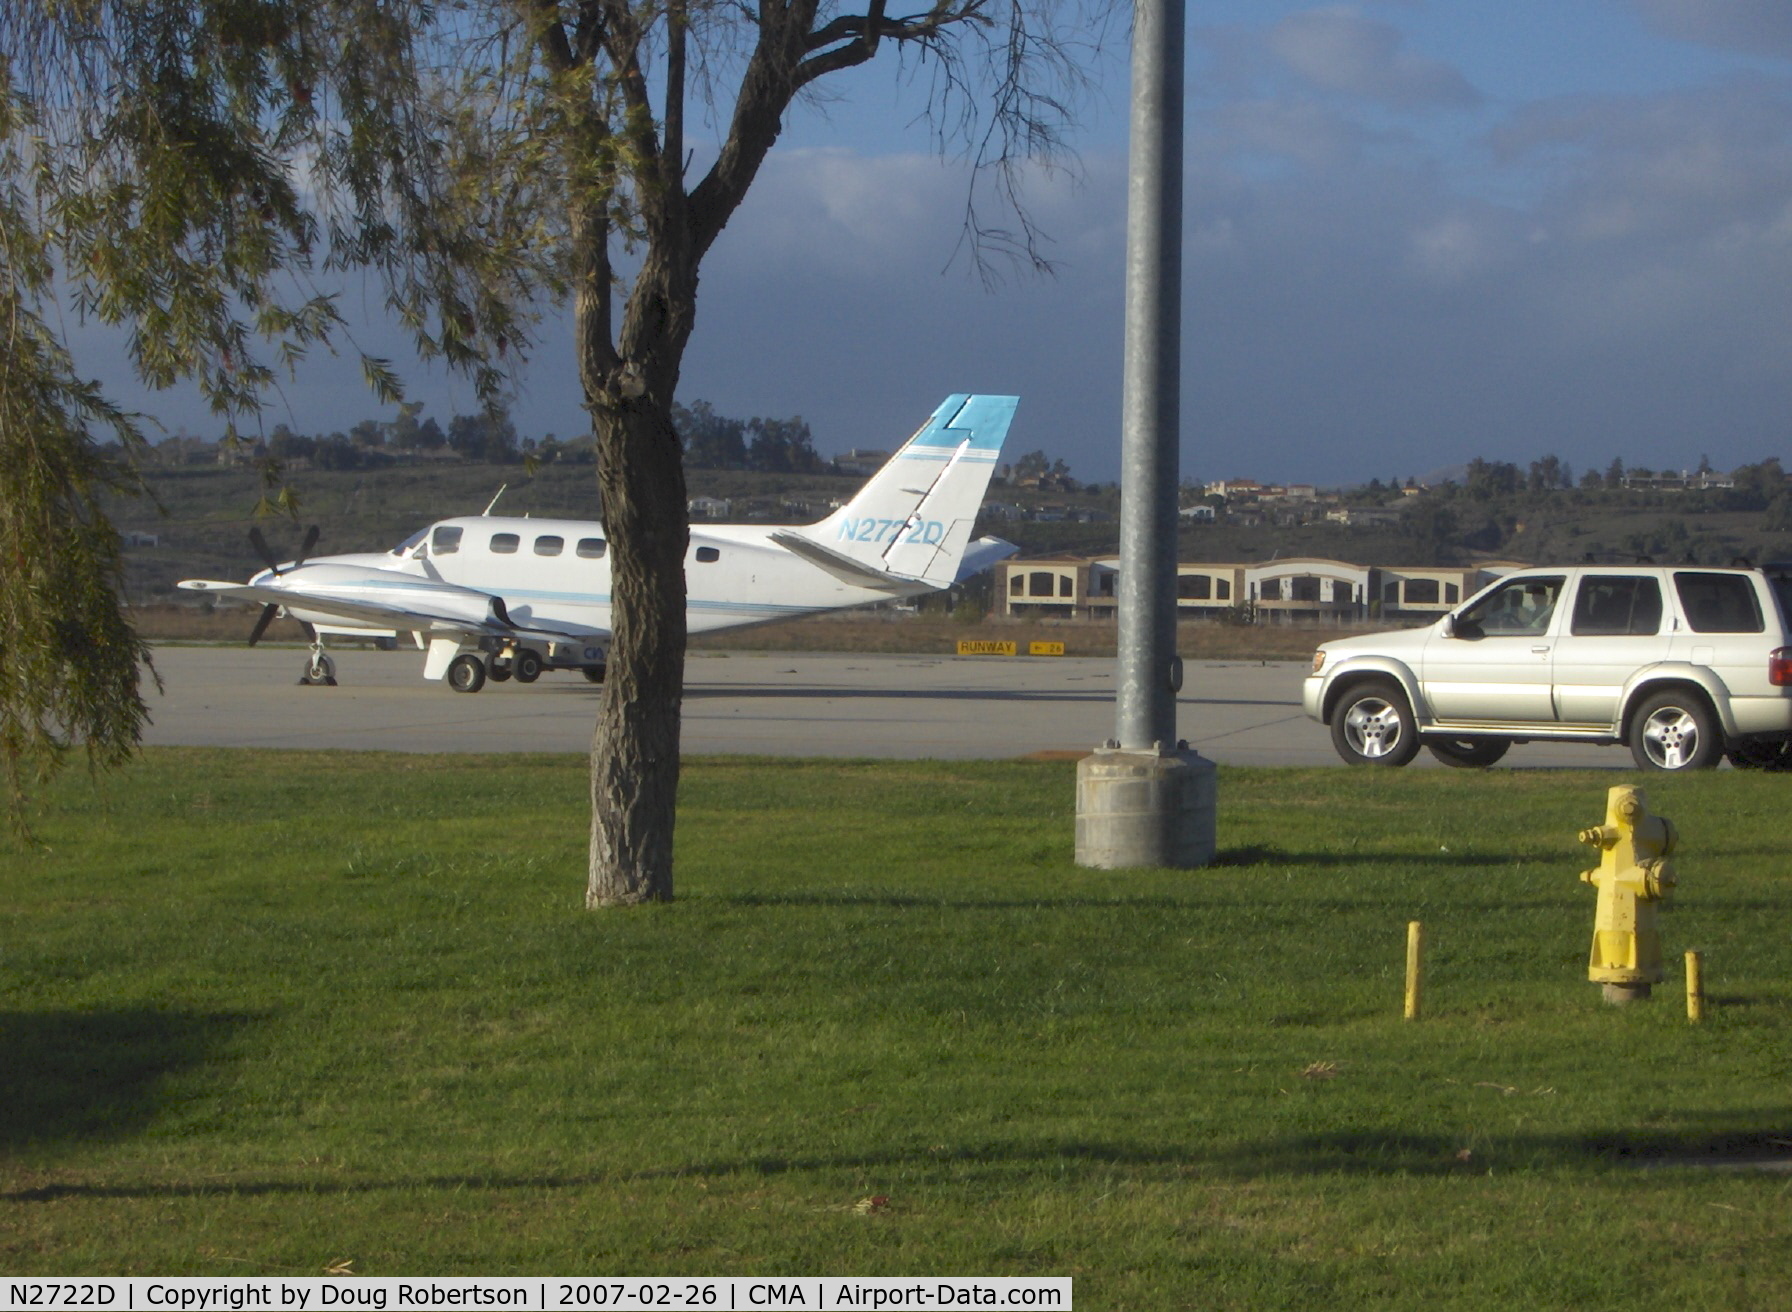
<point x="201" y="514"/>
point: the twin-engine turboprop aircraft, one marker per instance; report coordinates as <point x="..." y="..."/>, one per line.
<point x="499" y="597"/>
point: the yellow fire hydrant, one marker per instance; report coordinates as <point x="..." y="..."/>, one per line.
<point x="1634" y="875"/>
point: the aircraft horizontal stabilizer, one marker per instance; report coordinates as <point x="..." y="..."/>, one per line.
<point x="984" y="553"/>
<point x="841" y="565"/>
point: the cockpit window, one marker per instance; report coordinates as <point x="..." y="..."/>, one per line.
<point x="404" y="548"/>
<point x="445" y="540"/>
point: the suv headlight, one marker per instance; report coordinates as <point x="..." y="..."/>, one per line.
<point x="1318" y="660"/>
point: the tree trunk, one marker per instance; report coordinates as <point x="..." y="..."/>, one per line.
<point x="634" y="754"/>
<point x="629" y="391"/>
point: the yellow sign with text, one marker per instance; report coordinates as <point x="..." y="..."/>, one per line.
<point x="984" y="647"/>
<point x="1045" y="649"/>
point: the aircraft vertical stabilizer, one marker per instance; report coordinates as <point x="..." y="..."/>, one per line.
<point x="912" y="521"/>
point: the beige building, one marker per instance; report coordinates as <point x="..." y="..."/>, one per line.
<point x="1281" y="591"/>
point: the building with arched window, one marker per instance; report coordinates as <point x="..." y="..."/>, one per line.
<point x="1299" y="588"/>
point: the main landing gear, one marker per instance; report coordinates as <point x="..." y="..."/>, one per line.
<point x="469" y="671"/>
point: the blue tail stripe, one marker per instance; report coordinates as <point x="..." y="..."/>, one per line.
<point x="982" y="419"/>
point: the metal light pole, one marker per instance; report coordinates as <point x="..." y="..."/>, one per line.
<point x="1144" y="799"/>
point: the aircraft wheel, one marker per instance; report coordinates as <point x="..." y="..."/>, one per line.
<point x="466" y="673"/>
<point x="320" y="672"/>
<point x="526" y="665"/>
<point x="594" y="673"/>
<point x="499" y="673"/>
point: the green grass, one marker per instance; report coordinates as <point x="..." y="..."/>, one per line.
<point x="265" y="1012"/>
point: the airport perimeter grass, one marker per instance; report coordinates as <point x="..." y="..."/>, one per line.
<point x="269" y="1012"/>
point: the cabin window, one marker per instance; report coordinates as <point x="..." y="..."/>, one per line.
<point x="708" y="555"/>
<point x="505" y="544"/>
<point x="548" y="545"/>
<point x="592" y="548"/>
<point x="445" y="540"/>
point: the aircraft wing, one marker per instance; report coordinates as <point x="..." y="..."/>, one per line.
<point x="384" y="599"/>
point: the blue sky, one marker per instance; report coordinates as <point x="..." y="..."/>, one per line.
<point x="1414" y="233"/>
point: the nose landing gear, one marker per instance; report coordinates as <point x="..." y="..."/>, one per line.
<point x="320" y="670"/>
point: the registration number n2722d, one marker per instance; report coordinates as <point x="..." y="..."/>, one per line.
<point x="871" y="529"/>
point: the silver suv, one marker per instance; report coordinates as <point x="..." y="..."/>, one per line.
<point x="1682" y="663"/>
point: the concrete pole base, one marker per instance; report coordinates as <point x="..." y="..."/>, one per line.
<point x="1622" y="994"/>
<point x="1145" y="808"/>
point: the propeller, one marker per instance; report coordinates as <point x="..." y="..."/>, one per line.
<point x="272" y="609"/>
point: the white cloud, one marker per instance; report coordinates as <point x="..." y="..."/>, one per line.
<point x="1338" y="49"/>
<point x="1758" y="27"/>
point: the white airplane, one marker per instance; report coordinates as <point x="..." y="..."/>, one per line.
<point x="500" y="597"/>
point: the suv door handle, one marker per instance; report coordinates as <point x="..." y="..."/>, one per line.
<point x="1541" y="651"/>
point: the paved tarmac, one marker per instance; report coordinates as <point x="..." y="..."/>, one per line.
<point x="778" y="704"/>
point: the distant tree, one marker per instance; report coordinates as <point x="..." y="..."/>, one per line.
<point x="1614" y="473"/>
<point x="488" y="436"/>
<point x="1757" y="485"/>
<point x="402" y="431"/>
<point x="781" y="446"/>
<point x="1032" y="467"/>
<point x="286" y="445"/>
<point x="1431" y="527"/>
<point x="1592" y="480"/>
<point x="430" y="436"/>
<point x="336" y="452"/>
<point x="1490" y="479"/>
<point x="367" y="434"/>
<point x="711" y="441"/>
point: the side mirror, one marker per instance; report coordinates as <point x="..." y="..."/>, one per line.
<point x="1447" y="626"/>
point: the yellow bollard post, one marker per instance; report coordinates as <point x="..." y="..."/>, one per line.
<point x="1415" y="952"/>
<point x="1695" y="988"/>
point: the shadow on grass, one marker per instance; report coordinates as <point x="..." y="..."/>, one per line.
<point x="88" y="1074"/>
<point x="1366" y="1152"/>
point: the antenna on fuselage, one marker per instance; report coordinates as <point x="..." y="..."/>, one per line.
<point x="494" y="501"/>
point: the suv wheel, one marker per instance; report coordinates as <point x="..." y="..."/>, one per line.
<point x="1468" y="753"/>
<point x="1675" y="731"/>
<point x="1373" y="725"/>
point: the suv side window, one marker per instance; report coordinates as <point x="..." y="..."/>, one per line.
<point x="1610" y="605"/>
<point x="1516" y="608"/>
<point x="1719" y="603"/>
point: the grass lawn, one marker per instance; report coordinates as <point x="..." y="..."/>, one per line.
<point x="268" y="1012"/>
